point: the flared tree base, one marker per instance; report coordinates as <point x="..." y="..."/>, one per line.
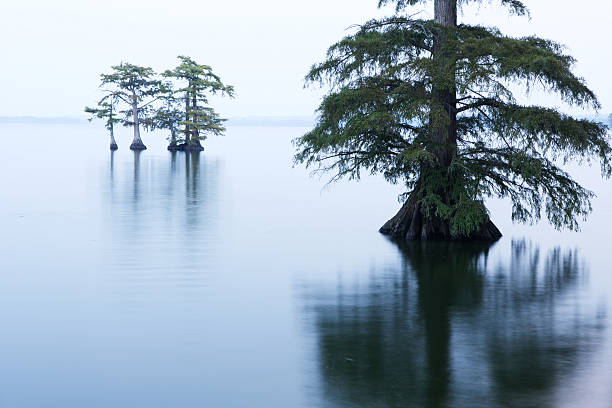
<point x="113" y="146"/>
<point x="411" y="224"/>
<point x="193" y="147"/>
<point x="185" y="147"/>
<point x="138" y="146"/>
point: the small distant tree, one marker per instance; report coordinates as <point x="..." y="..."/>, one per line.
<point x="138" y="88"/>
<point x="169" y="116"/>
<point x="196" y="82"/>
<point x="106" y="110"/>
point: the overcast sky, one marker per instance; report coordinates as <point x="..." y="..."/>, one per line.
<point x="54" y="51"/>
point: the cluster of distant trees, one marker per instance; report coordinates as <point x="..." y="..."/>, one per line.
<point x="175" y="100"/>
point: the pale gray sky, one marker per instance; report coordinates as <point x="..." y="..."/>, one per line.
<point x="54" y="51"/>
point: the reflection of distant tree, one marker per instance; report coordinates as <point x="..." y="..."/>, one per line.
<point x="155" y="200"/>
<point x="173" y="163"/>
<point x="450" y="330"/>
<point x="136" y="191"/>
<point x="111" y="167"/>
<point x="192" y="180"/>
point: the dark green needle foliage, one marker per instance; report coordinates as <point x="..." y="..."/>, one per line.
<point x="430" y="103"/>
<point x="195" y="83"/>
<point x="107" y="110"/>
<point x="169" y="116"/>
<point x="137" y="87"/>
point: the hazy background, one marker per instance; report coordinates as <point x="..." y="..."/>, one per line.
<point x="53" y="52"/>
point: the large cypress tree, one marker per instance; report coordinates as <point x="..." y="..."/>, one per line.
<point x="430" y="103"/>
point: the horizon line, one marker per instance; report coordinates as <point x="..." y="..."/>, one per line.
<point x="289" y="120"/>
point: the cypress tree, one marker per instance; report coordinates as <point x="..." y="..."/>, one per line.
<point x="137" y="87"/>
<point x="106" y="110"/>
<point x="430" y="103"/>
<point x="169" y="116"/>
<point x="197" y="82"/>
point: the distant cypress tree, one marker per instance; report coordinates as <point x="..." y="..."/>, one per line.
<point x="107" y="110"/>
<point x="428" y="103"/>
<point x="196" y="83"/>
<point x="137" y="87"/>
<point x="169" y="116"/>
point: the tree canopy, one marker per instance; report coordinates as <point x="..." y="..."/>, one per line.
<point x="432" y="103"/>
<point x="169" y="116"/>
<point x="138" y="88"/>
<point x="176" y="99"/>
<point x="195" y="83"/>
<point x="107" y="110"/>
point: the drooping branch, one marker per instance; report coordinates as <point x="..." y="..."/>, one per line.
<point x="378" y="44"/>
<point x="483" y="53"/>
<point x="527" y="180"/>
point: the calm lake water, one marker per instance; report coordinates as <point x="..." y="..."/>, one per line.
<point x="230" y="279"/>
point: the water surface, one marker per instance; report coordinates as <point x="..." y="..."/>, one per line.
<point x="230" y="279"/>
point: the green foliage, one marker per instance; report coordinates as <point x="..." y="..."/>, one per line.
<point x="133" y="83"/>
<point x="159" y="104"/>
<point x="168" y="116"/>
<point x="106" y="109"/>
<point x="195" y="83"/>
<point x="386" y="108"/>
<point x="128" y="89"/>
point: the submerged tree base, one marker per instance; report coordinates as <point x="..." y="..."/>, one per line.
<point x="185" y="147"/>
<point x="411" y="224"/>
<point x="113" y="146"/>
<point x="138" y="146"/>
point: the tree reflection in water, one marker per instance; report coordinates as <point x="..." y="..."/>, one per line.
<point x="451" y="329"/>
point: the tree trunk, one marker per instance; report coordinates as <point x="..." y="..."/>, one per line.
<point x="194" y="145"/>
<point x="412" y="221"/>
<point x="445" y="12"/>
<point x="187" y="116"/>
<point x="443" y="115"/>
<point x="173" y="145"/>
<point x="137" y="142"/>
<point x="113" y="144"/>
